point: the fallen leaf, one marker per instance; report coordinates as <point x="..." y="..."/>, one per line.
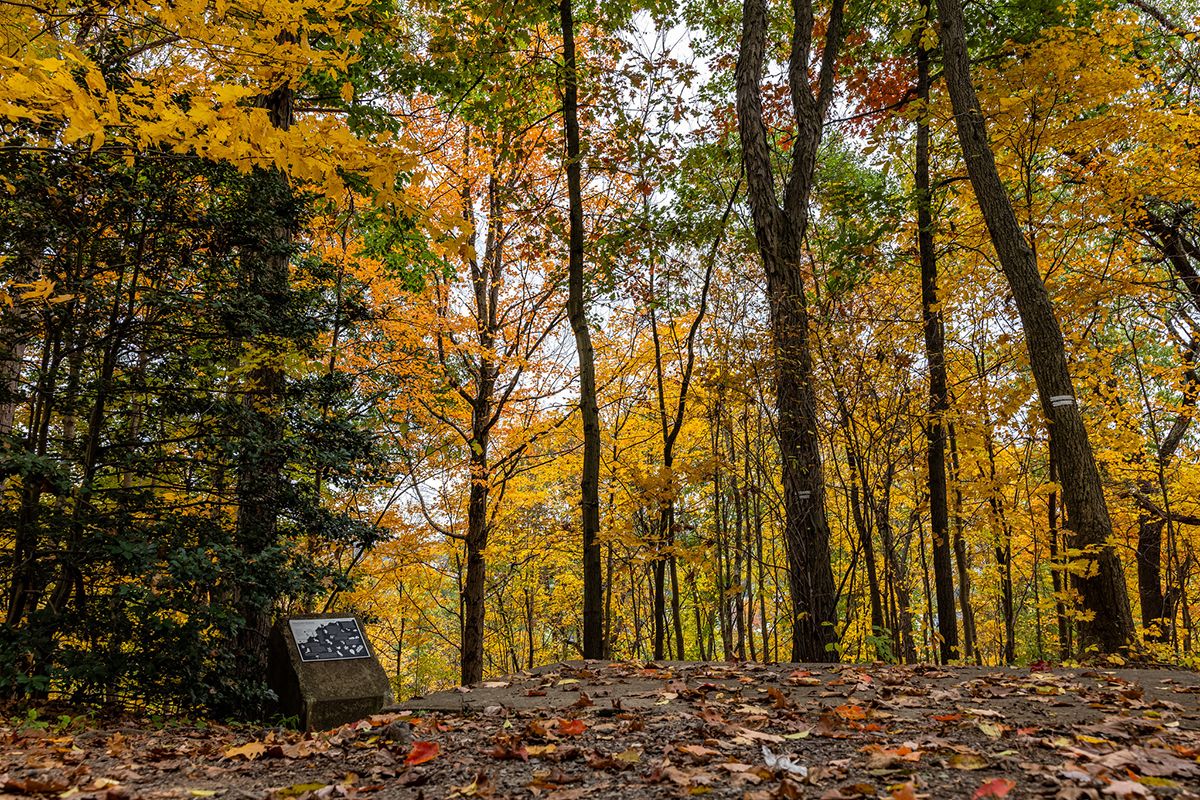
<point x="1127" y="789"/>
<point x="850" y="712"/>
<point x="991" y="729"/>
<point x="422" y="752"/>
<point x="571" y="727"/>
<point x="630" y="756"/>
<point x="298" y="789"/>
<point x="762" y="736"/>
<point x="480" y="787"/>
<point x="804" y="677"/>
<point x="997" y="787"/>
<point x="967" y="761"/>
<point x="248" y="751"/>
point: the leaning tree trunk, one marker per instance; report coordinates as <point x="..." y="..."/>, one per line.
<point x="779" y="230"/>
<point x="593" y="577"/>
<point x="935" y="350"/>
<point x="1102" y="586"/>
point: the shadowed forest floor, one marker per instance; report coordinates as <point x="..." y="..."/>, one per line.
<point x="668" y="729"/>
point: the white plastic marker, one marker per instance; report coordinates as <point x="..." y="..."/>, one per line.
<point x="803" y="495"/>
<point x="1060" y="400"/>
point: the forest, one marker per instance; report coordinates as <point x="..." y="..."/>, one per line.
<point x="817" y="331"/>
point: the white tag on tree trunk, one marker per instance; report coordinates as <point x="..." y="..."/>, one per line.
<point x="1060" y="400"/>
<point x="803" y="495"/>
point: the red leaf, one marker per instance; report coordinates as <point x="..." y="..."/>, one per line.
<point x="571" y="727"/>
<point x="422" y="752"/>
<point x="998" y="787"/>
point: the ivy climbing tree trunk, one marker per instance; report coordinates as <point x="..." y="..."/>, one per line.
<point x="589" y="484"/>
<point x="779" y="229"/>
<point x="260" y="484"/>
<point x="1109" y="623"/>
<point x="935" y="354"/>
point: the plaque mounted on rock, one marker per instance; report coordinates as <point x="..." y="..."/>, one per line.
<point x="324" y="671"/>
<point x="333" y="639"/>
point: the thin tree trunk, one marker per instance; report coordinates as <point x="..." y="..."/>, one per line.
<point x="1056" y="567"/>
<point x="658" y="569"/>
<point x="1002" y="532"/>
<point x="737" y="586"/>
<point x="676" y="616"/>
<point x="935" y="350"/>
<point x="589" y="484"/>
<point x="970" y="648"/>
<point x="878" y="626"/>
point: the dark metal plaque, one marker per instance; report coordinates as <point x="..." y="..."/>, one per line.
<point x="329" y="639"/>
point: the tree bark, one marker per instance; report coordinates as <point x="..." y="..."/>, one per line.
<point x="935" y="352"/>
<point x="474" y="588"/>
<point x="1109" y="625"/>
<point x="12" y="356"/>
<point x="589" y="484"/>
<point x="961" y="562"/>
<point x="262" y="462"/>
<point x="779" y="230"/>
<point x="1056" y="567"/>
<point x="1002" y="545"/>
<point x="866" y="541"/>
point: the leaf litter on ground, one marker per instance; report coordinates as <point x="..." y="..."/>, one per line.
<point x="598" y="730"/>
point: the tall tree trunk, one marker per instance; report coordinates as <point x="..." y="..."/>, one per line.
<point x="935" y="351"/>
<point x="589" y="484"/>
<point x="261" y="464"/>
<point x="1102" y="585"/>
<point x="779" y="230"/>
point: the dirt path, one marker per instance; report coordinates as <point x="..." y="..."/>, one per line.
<point x="666" y="730"/>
